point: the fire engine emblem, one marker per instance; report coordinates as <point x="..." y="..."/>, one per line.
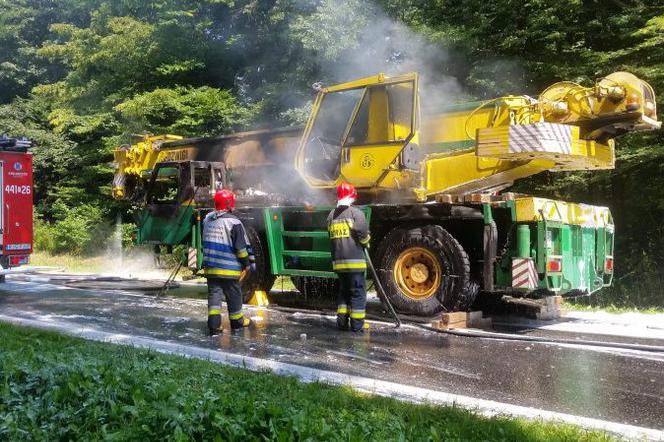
<point x="367" y="161"/>
<point x="18" y="167"/>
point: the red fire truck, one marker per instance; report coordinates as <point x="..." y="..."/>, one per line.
<point x="15" y="203"/>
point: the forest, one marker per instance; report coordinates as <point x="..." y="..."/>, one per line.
<point x="78" y="77"/>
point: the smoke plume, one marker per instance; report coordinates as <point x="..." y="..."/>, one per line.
<point x="355" y="38"/>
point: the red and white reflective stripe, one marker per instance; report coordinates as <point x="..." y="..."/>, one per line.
<point x="524" y="273"/>
<point x="192" y="260"/>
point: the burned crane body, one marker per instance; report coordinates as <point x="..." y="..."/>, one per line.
<point x="429" y="182"/>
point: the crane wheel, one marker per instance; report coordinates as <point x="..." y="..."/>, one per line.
<point x="262" y="278"/>
<point x="315" y="287"/>
<point x="468" y="288"/>
<point x="424" y="271"/>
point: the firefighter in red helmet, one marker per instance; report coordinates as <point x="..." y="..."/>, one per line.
<point x="349" y="234"/>
<point x="226" y="253"/>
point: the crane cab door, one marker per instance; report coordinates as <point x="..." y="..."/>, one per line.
<point x="383" y="125"/>
<point x="357" y="130"/>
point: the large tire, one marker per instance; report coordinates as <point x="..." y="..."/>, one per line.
<point x="468" y="288"/>
<point x="425" y="271"/>
<point x="315" y="287"/>
<point x="262" y="278"/>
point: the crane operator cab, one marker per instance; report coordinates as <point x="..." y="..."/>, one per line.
<point x="357" y="132"/>
<point x="176" y="183"/>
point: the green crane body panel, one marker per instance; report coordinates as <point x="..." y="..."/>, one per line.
<point x="298" y="240"/>
<point x="581" y="252"/>
<point x="298" y="244"/>
<point x="171" y="230"/>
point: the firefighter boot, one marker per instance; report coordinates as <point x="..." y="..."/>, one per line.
<point x="343" y="321"/>
<point x="358" y="326"/>
<point x="214" y="324"/>
<point x="239" y="323"/>
<point x="357" y="323"/>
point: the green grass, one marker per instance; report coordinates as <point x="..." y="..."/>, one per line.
<point x="54" y="387"/>
<point x="616" y="309"/>
<point x="642" y="292"/>
<point x="69" y="263"/>
<point x="132" y="264"/>
<point x="637" y="294"/>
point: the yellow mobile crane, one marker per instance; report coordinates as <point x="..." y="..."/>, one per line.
<point x="430" y="182"/>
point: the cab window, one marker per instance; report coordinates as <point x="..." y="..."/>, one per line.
<point x="334" y="115"/>
<point x="385" y="115"/>
<point x="323" y="148"/>
<point x="165" y="185"/>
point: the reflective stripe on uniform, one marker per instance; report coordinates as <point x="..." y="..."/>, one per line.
<point x="214" y="311"/>
<point x="223" y="272"/>
<point x="219" y="254"/>
<point x="220" y="247"/>
<point x="236" y="316"/>
<point x="242" y="253"/>
<point x="210" y="261"/>
<point x="358" y="315"/>
<point x="365" y="240"/>
<point x="342" y="309"/>
<point x="349" y="264"/>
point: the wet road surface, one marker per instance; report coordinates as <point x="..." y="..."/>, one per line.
<point x="608" y="384"/>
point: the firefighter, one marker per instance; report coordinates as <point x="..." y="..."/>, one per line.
<point x="226" y="253"/>
<point x="349" y="234"/>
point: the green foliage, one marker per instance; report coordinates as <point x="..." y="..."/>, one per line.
<point x="127" y="232"/>
<point x="44" y="236"/>
<point x="56" y="387"/>
<point x="332" y="27"/>
<point x="203" y="111"/>
<point x="81" y="230"/>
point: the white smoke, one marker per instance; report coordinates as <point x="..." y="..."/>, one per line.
<point x="355" y="38"/>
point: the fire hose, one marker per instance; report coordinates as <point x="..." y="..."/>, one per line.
<point x="381" y="293"/>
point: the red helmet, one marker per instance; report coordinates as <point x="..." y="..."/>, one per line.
<point x="346" y="190"/>
<point x="224" y="199"/>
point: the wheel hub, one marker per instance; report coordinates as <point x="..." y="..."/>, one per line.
<point x="418" y="273"/>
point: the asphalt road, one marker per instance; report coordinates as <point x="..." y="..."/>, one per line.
<point x="614" y="385"/>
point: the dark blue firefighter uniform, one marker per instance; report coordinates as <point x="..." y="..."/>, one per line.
<point x="226" y="252"/>
<point x="349" y="234"/>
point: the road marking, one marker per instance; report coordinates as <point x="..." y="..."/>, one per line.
<point x="307" y="374"/>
